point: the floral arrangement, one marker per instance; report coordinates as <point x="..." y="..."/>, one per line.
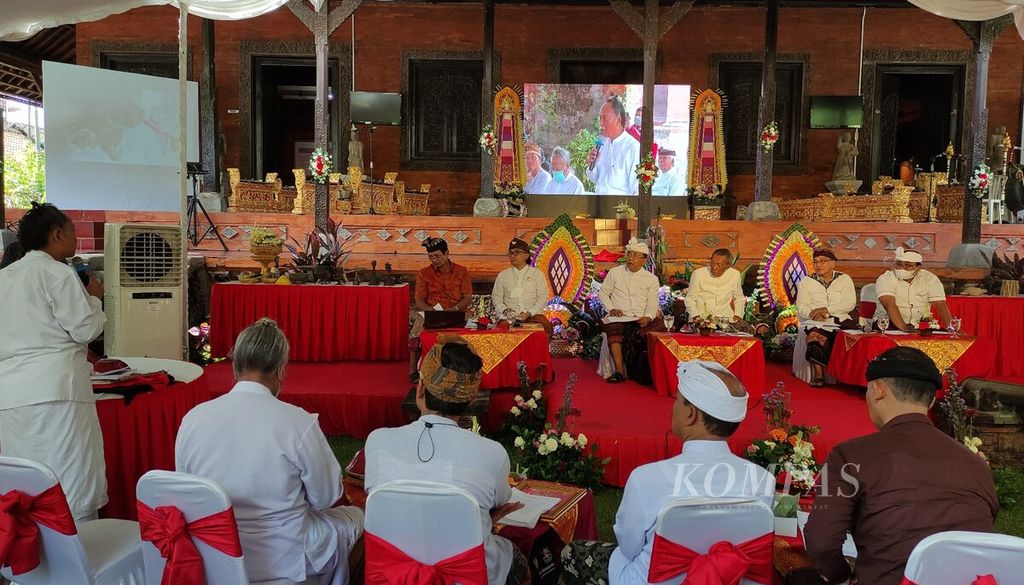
<point x="779" y="347"/>
<point x="321" y="165"/>
<point x="705" y="195"/>
<point x="199" y="350"/>
<point x="549" y="451"/>
<point x="926" y="323"/>
<point x="322" y="247"/>
<point x="707" y="322"/>
<point x="980" y="180"/>
<point x="956" y="418"/>
<point x="787" y="452"/>
<point x="510" y="191"/>
<point x="646" y="171"/>
<point x="488" y="140"/>
<point x="769" y="136"/>
<point x="623" y="208"/>
<point x="262" y="236"/>
<point x="668" y="295"/>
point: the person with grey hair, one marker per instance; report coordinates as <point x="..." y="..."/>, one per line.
<point x="563" y="180"/>
<point x="611" y="163"/>
<point x="274" y="462"/>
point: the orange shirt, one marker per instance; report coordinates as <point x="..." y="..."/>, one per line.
<point x="447" y="288"/>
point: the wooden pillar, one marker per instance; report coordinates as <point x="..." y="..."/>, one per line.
<point x="487" y="98"/>
<point x="3" y="162"/>
<point x="209" y="118"/>
<point x="766" y="109"/>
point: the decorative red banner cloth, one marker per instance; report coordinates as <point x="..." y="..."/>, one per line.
<point x="139" y="437"/>
<point x="19" y="534"/>
<point x="387" y="565"/>
<point x="501" y="351"/>
<point x="997" y="318"/>
<point x="167" y="529"/>
<point x="724" y="562"/>
<point x="324" y="323"/>
<point x="743" y="356"/>
<point x="969" y="356"/>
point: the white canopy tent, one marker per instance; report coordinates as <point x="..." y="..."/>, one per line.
<point x="975" y="9"/>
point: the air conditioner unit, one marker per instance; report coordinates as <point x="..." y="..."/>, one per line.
<point x="143" y="270"/>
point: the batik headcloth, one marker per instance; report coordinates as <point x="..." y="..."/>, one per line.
<point x="445" y="384"/>
<point x="435" y="245"/>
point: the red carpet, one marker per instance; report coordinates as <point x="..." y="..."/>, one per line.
<point x="627" y="421"/>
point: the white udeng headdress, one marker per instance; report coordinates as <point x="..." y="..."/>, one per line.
<point x="908" y="256"/>
<point x="636" y="245"/>
<point x="704" y="389"/>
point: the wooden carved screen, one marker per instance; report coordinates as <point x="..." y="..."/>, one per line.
<point x="741" y="83"/>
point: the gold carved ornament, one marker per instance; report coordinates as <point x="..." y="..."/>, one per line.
<point x="723" y="354"/>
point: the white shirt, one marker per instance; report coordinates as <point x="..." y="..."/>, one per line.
<point x="538" y="184"/>
<point x="668" y="183"/>
<point x="914" y="299"/>
<point x="839" y="297"/>
<point x="460" y="458"/>
<point x="572" y="185"/>
<point x="633" y="293"/>
<point x="522" y="291"/>
<point x="48" y="320"/>
<point x="274" y="463"/>
<point x="716" y="297"/>
<point x="703" y="469"/>
<point x="614" y="173"/>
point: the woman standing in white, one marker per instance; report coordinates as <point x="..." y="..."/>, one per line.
<point x="520" y="291"/>
<point x="824" y="296"/>
<point x="47" y="408"/>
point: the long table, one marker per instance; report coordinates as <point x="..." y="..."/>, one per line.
<point x="324" y="323"/>
<point x="969" y="356"/>
<point x="743" y="356"/>
<point x="501" y="351"/>
<point x="998" y="318"/>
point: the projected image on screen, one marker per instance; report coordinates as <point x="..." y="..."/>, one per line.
<point x="585" y="139"/>
<point x="131" y="129"/>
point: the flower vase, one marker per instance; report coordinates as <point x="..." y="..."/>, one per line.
<point x="265" y="254"/>
<point x="619" y="215"/>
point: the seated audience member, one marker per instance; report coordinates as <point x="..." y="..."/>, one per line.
<point x="710" y="405"/>
<point x="895" y="487"/>
<point x="908" y="292"/>
<point x="630" y="295"/>
<point x="274" y="463"/>
<point x="520" y="291"/>
<point x="824" y="296"/>
<point x="537" y="178"/>
<point x="563" y="179"/>
<point x="669" y="181"/>
<point x="716" y="290"/>
<point x="12" y="253"/>
<point x="435" y="448"/>
<point x="442" y="286"/>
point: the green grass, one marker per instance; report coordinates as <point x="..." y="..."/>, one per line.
<point x="607" y="499"/>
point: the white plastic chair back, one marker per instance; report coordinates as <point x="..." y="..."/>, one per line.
<point x="428" y="521"/>
<point x="958" y="557"/>
<point x="698" y="523"/>
<point x="868" y="295"/>
<point x="196" y="497"/>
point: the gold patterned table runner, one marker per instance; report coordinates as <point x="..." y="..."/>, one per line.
<point x="723" y="354"/>
<point x="495" y="347"/>
<point x="944" y="350"/>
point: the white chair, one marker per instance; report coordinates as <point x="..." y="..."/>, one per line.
<point x="104" y="552"/>
<point x="196" y="497"/>
<point x="959" y="557"/>
<point x="802" y="368"/>
<point x="868" y="304"/>
<point x="699" y="523"/>
<point x="427" y="521"/>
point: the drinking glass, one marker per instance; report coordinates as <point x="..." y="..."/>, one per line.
<point x="954" y="326"/>
<point x="883" y="322"/>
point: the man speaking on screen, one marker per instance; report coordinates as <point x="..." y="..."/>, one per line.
<point x="611" y="164"/>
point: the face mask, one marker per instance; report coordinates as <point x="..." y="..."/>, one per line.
<point x="905" y="274"/>
<point x="558" y="176"/>
<point x="637" y="121"/>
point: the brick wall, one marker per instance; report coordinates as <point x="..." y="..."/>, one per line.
<point x="525" y="34"/>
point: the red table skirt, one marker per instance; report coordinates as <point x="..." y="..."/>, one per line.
<point x="998" y="318"/>
<point x="743" y="356"/>
<point x="851" y="354"/>
<point x="139" y="437"/>
<point x="324" y="323"/>
<point x="502" y="351"/>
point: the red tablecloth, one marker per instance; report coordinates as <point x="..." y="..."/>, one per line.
<point x="139" y="437"/>
<point x="324" y="323"/>
<point x="998" y="318"/>
<point x="502" y="350"/>
<point x="969" y="356"/>
<point x="743" y="356"/>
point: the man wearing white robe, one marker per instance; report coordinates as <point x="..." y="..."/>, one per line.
<point x="669" y="181"/>
<point x="611" y="164"/>
<point x="716" y="290"/>
<point x="537" y="178"/>
<point x="710" y="405"/>
<point x="47" y="407"/>
<point x="563" y="180"/>
<point x="909" y="292"/>
<point x="520" y="291"/>
<point x="630" y="295"/>
<point x="274" y="462"/>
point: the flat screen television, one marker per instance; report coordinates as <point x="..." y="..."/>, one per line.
<point x="371" y="107"/>
<point x="837" y="111"/>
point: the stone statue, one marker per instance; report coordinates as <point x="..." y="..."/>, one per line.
<point x="996" y="151"/>
<point x="355" y="150"/>
<point x="847" y="152"/>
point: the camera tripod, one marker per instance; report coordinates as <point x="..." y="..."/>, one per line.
<point x="193" y="208"/>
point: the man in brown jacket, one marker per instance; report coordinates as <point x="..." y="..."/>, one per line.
<point x="899" y="485"/>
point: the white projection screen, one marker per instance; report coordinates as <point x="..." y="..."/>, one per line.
<point x="113" y="138"/>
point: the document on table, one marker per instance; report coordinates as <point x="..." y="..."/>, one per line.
<point x="820" y="324"/>
<point x="849" y="548"/>
<point x="529" y="514"/>
<point x="621" y="319"/>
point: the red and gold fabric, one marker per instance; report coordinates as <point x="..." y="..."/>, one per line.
<point x="998" y="318"/>
<point x="743" y="356"/>
<point x="969" y="356"/>
<point x="501" y="351"/>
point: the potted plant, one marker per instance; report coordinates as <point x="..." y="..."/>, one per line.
<point x="323" y="252"/>
<point x="707" y="201"/>
<point x="264" y="247"/>
<point x="786" y="452"/>
<point x="624" y="211"/>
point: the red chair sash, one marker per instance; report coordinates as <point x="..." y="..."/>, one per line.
<point x="867" y="309"/>
<point x="725" y="563"/>
<point x="166" y="528"/>
<point x="20" y="515"/>
<point x="387" y="565"/>
<point x="980" y="580"/>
